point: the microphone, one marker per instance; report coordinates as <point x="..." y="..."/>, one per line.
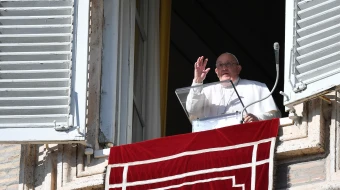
<point x="276" y="51"/>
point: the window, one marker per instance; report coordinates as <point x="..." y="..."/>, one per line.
<point x="139" y="72"/>
<point x="43" y="70"/>
<point x="130" y="108"/>
<point x="312" y="49"/>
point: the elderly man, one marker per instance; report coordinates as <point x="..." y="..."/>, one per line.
<point x="221" y="99"/>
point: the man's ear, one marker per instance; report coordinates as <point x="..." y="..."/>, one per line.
<point x="216" y="71"/>
<point x="239" y="68"/>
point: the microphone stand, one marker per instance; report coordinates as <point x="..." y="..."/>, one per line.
<point x="276" y="50"/>
<point x="238" y="95"/>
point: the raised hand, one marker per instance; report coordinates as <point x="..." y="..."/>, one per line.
<point x="200" y="71"/>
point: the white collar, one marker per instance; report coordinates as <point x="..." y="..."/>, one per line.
<point x="229" y="85"/>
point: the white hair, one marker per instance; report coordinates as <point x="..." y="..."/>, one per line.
<point x="227" y="53"/>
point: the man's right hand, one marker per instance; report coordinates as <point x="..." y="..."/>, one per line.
<point x="200" y="70"/>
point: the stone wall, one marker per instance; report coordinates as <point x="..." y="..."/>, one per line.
<point x="9" y="166"/>
<point x="308" y="151"/>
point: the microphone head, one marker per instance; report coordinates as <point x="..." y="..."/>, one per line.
<point x="276" y="46"/>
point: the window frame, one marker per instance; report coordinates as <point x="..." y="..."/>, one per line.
<point x="118" y="63"/>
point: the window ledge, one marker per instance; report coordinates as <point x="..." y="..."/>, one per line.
<point x="102" y="153"/>
<point x="308" y="136"/>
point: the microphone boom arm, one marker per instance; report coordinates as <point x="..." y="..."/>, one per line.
<point x="276" y="47"/>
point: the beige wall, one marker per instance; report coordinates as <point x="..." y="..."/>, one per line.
<point x="9" y="166"/>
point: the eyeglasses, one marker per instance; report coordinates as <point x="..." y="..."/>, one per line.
<point x="228" y="64"/>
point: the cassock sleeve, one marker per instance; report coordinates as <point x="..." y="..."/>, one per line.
<point x="268" y="107"/>
<point x="195" y="101"/>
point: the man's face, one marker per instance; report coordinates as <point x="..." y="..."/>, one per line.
<point x="227" y="67"/>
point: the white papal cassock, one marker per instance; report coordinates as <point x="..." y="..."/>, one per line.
<point x="219" y="99"/>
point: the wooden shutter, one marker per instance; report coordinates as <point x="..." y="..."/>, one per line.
<point x="312" y="52"/>
<point x="43" y="70"/>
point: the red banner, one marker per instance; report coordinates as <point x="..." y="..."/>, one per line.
<point x="238" y="157"/>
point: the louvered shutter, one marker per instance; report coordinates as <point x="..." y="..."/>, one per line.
<point x="312" y="48"/>
<point x="43" y="70"/>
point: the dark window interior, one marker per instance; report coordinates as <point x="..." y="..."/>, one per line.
<point x="247" y="28"/>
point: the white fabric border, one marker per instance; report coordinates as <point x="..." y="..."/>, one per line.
<point x="204" y="181"/>
<point x="125" y="171"/>
<point x="253" y="167"/>
<point x="271" y="165"/>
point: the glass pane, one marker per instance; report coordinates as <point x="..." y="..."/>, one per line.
<point x="137" y="127"/>
<point x="206" y="113"/>
<point x="138" y="91"/>
<point x="138" y="5"/>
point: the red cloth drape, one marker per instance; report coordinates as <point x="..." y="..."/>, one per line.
<point x="234" y="157"/>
